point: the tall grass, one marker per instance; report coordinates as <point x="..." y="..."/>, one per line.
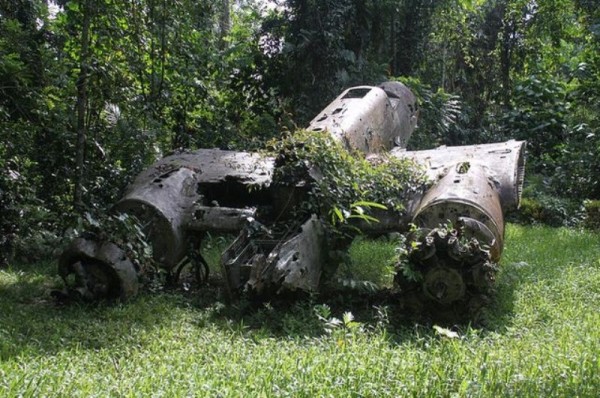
<point x="540" y="337"/>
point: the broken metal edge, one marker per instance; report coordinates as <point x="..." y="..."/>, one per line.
<point x="369" y="119"/>
<point x="293" y="262"/>
<point x="219" y="219"/>
<point x="212" y="165"/>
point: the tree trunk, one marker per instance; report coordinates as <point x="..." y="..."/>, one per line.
<point x="394" y="67"/>
<point x="81" y="106"/>
<point x="508" y="32"/>
<point x="224" y="23"/>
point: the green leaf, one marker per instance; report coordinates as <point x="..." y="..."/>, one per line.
<point x="365" y="217"/>
<point x="369" y="204"/>
<point x="338" y="213"/>
<point x="73" y="6"/>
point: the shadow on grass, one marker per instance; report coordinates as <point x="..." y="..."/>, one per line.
<point x="302" y="315"/>
<point x="31" y="322"/>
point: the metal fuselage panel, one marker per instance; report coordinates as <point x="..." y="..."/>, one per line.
<point x="367" y="119"/>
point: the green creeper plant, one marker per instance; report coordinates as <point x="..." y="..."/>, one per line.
<point x="344" y="186"/>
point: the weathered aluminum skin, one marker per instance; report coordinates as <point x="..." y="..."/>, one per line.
<point x="258" y="262"/>
<point x="168" y="195"/>
<point x="219" y="219"/>
<point x="367" y="119"/>
<point x="162" y="203"/>
<point x="503" y="164"/>
<point x="187" y="194"/>
<point x="465" y="193"/>
<point x="101" y="269"/>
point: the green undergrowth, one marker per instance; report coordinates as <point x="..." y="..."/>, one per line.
<point x="540" y="336"/>
<point x="371" y="264"/>
<point x="345" y="186"/>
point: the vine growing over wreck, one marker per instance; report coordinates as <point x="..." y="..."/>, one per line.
<point x="343" y="186"/>
<point x="124" y="230"/>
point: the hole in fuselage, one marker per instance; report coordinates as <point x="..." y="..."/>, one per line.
<point x="463" y="168"/>
<point x="357" y="93"/>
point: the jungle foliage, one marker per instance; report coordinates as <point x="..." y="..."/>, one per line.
<point x="93" y="91"/>
<point x="344" y="185"/>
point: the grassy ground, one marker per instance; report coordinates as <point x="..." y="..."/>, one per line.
<point x="541" y="337"/>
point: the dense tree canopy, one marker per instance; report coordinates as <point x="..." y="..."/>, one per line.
<point x="92" y="91"/>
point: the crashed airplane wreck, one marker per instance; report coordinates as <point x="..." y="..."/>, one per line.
<point x="183" y="196"/>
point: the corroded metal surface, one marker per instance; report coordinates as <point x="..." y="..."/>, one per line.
<point x="464" y="195"/>
<point x="259" y="261"/>
<point x="461" y="222"/>
<point x="169" y="195"/>
<point x="163" y="205"/>
<point x="212" y="166"/>
<point x="370" y="119"/>
<point x="97" y="270"/>
<point x="455" y="273"/>
<point x="219" y="219"/>
<point x="503" y="164"/>
<point x="185" y="195"/>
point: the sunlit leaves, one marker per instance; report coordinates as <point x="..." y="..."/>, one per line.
<point x="345" y="186"/>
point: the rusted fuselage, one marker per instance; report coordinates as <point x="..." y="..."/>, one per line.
<point x="185" y="195"/>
